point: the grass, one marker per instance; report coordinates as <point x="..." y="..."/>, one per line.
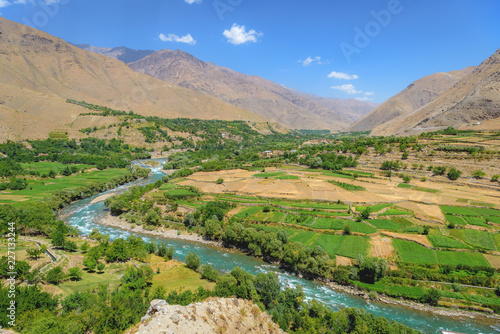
<point x="175" y="275"/>
<point x="39" y="189"/>
<point x="458" y="210"/>
<point x="492" y="219"/>
<point x="167" y="186"/>
<point x="427" y="190"/>
<point x="324" y="206"/>
<point x="269" y="174"/>
<point x="352" y="246"/>
<point x="456" y="258"/>
<point x="337" y="175"/>
<point x="405" y="185"/>
<point x="330" y="243"/>
<point x="396" y="212"/>
<point x="447" y="242"/>
<point x="374" y="208"/>
<point x="455" y="220"/>
<point x="478" y="221"/>
<point x="288" y="177"/>
<point x="329" y="224"/>
<point x="347" y="186"/>
<point x="249" y="212"/>
<point x="44" y="167"/>
<point x="478" y="239"/>
<point x="304" y="237"/>
<point x="414" y="253"/>
<point x="385" y="224"/>
<point x="179" y="193"/>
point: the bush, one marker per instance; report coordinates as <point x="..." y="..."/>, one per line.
<point x="193" y="261"/>
<point x="431" y="297"/>
<point x="406" y="178"/>
<point x="75" y="274"/>
<point x="208" y="272"/>
<point x="219" y="181"/>
<point x="478" y="174"/>
<point x="439" y="170"/>
<point x="495" y="178"/>
<point x="454" y="174"/>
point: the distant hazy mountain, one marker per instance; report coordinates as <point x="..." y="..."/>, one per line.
<point x="38" y="72"/>
<point x="121" y="53"/>
<point x="475" y="98"/>
<point x="416" y="95"/>
<point x="265" y="98"/>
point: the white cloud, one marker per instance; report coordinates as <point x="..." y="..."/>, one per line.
<point x="369" y="93"/>
<point x="192" y="1"/>
<point x="342" y="76"/>
<point x="188" y="39"/>
<point x="238" y="35"/>
<point x="348" y="88"/>
<point x="308" y="61"/>
<point x="4" y="3"/>
<point x="364" y="98"/>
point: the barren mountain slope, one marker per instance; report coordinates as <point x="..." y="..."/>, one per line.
<point x="122" y="53"/>
<point x="38" y="72"/>
<point x="416" y="95"/>
<point x="265" y="98"/>
<point x="476" y="98"/>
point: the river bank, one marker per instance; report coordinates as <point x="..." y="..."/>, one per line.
<point x="108" y="220"/>
<point x="490" y="319"/>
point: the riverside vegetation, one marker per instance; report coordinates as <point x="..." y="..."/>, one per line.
<point x="449" y="262"/>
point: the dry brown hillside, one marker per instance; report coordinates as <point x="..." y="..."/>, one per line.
<point x="265" y="98"/>
<point x="38" y="72"/>
<point x="416" y="95"/>
<point x="476" y="98"/>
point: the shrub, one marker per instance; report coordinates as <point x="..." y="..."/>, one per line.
<point x="439" y="170"/>
<point x="478" y="174"/>
<point x="193" y="261"/>
<point x="431" y="297"/>
<point x="495" y="178"/>
<point x="454" y="174"/>
<point x="219" y="181"/>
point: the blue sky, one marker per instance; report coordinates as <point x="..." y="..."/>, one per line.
<point x="368" y="50"/>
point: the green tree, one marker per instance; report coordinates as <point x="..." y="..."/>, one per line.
<point x="478" y="174"/>
<point x="193" y="261"/>
<point x="431" y="297"/>
<point x="54" y="275"/>
<point x="454" y="174"/>
<point x="372" y="269"/>
<point x="75" y="274"/>
<point x="100" y="267"/>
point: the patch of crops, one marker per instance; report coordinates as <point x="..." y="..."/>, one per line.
<point x="304" y="237"/>
<point x="330" y="243"/>
<point x="441" y="241"/>
<point x="329" y="224"/>
<point x="395" y="212"/>
<point x="385" y="224"/>
<point x="288" y="177"/>
<point x="269" y="174"/>
<point x="457" y="258"/>
<point x="249" y="212"/>
<point x="347" y="186"/>
<point x="455" y="220"/>
<point x="478" y="221"/>
<point x="478" y="239"/>
<point x="414" y="253"/>
<point x="352" y="246"/>
<point x="459" y="210"/>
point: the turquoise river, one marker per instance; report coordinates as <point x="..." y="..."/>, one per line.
<point x="84" y="216"/>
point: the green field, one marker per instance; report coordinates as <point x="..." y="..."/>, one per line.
<point x="269" y="174"/>
<point x="385" y="224"/>
<point x="415" y="253"/>
<point x="39" y="189"/>
<point x="304" y="237"/>
<point x="396" y="212"/>
<point x="478" y="239"/>
<point x="288" y="177"/>
<point x="412" y="252"/>
<point x="249" y="212"/>
<point x="455" y="220"/>
<point x="44" y="167"/>
<point x="441" y="241"/>
<point x="352" y="246"/>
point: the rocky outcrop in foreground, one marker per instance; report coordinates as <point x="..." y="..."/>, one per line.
<point x="215" y="315"/>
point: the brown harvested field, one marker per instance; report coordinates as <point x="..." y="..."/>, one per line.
<point x="421" y="239"/>
<point x="423" y="210"/>
<point x="381" y="247"/>
<point x="494" y="260"/>
<point x="343" y="261"/>
<point x="315" y="186"/>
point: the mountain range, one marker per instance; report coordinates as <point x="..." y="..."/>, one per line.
<point x="263" y="97"/>
<point x="39" y="72"/>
